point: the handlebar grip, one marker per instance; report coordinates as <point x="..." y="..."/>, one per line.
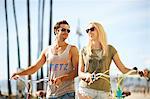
<point x="135" y="68"/>
<point x="127" y="93"/>
<point x="139" y="72"/>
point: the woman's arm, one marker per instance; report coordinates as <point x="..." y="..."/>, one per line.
<point x="74" y="56"/>
<point x="81" y="73"/>
<point x="124" y="69"/>
<point x="119" y="64"/>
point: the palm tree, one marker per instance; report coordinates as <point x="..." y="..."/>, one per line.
<point x="29" y="41"/>
<point x="40" y="85"/>
<point x="39" y="36"/>
<point x="17" y="36"/>
<point x="50" y="22"/>
<point x="7" y="33"/>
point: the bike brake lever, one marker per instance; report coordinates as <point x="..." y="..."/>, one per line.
<point x="93" y="76"/>
<point x="139" y="72"/>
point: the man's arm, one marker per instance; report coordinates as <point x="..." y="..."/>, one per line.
<point x="75" y="60"/>
<point x="74" y="54"/>
<point x="33" y="68"/>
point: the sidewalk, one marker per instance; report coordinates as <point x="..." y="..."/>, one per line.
<point x="138" y="96"/>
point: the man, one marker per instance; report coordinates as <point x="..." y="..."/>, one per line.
<point x="62" y="60"/>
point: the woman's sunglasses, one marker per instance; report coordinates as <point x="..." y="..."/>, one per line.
<point x="65" y="30"/>
<point x="91" y="29"/>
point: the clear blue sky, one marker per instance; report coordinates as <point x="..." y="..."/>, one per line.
<point x="126" y="22"/>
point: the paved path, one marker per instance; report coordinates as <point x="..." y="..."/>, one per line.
<point x="138" y="96"/>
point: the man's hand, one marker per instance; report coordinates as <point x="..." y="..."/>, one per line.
<point x="57" y="81"/>
<point x="15" y="76"/>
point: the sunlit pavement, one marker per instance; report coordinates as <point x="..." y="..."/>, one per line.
<point x="138" y="96"/>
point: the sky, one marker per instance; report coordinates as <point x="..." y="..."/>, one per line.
<point x="126" y="22"/>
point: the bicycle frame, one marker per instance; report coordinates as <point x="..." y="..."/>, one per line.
<point x="29" y="85"/>
<point x="118" y="94"/>
<point x="52" y="86"/>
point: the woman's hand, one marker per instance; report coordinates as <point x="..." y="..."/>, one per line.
<point x="89" y="78"/>
<point x="146" y="73"/>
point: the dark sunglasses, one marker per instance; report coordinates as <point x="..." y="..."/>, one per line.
<point x="65" y="30"/>
<point x="91" y="29"/>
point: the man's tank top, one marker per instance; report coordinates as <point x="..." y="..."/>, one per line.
<point x="59" y="65"/>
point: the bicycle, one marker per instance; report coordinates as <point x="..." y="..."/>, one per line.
<point x="28" y="85"/>
<point x="118" y="93"/>
<point x="41" y="93"/>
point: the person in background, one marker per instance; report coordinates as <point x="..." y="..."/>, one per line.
<point x="95" y="58"/>
<point x="62" y="60"/>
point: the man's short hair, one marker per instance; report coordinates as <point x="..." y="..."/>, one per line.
<point x="57" y="25"/>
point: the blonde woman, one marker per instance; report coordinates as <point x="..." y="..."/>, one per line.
<point x="96" y="57"/>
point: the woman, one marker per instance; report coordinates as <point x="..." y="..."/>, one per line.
<point x="95" y="58"/>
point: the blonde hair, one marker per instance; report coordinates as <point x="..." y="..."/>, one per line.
<point x="102" y="39"/>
